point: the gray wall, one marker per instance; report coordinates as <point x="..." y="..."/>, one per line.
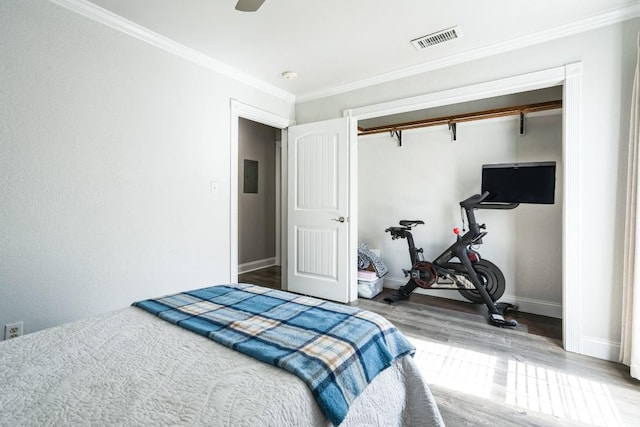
<point x="256" y="214"/>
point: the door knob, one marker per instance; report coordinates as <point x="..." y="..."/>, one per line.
<point x="341" y="219"/>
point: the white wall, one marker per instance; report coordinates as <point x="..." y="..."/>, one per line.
<point x="108" y="147"/>
<point x="430" y="174"/>
<point x="608" y="56"/>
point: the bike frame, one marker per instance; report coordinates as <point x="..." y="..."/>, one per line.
<point x="459" y="249"/>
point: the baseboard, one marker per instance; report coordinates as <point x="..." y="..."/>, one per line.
<point x="527" y="305"/>
<point x="534" y="306"/>
<point x="599" y="348"/>
<point x="256" y="265"/>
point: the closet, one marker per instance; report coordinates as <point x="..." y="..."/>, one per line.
<point x="420" y="165"/>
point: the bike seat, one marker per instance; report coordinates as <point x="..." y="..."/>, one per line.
<point x="410" y="223"/>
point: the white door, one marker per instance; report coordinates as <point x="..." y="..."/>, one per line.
<point x="318" y="210"/>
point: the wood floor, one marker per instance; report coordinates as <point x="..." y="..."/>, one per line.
<point x="527" y="322"/>
<point x="483" y="375"/>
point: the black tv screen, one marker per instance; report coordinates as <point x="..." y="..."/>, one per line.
<point x="520" y="182"/>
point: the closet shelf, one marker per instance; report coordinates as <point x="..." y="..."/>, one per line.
<point x="460" y="118"/>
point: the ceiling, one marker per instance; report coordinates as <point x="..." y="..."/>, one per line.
<point x="336" y="45"/>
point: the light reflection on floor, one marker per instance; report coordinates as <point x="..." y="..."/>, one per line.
<point x="455" y="368"/>
<point x="528" y="386"/>
<point x="556" y="393"/>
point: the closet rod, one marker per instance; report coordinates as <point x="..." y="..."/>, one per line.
<point x="481" y="115"/>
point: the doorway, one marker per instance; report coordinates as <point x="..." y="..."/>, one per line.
<point x="258" y="196"/>
<point x="427" y="173"/>
<point x="240" y="111"/>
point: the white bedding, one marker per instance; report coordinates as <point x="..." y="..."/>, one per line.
<point x="130" y="368"/>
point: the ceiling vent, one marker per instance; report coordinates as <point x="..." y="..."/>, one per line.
<point x="437" y="38"/>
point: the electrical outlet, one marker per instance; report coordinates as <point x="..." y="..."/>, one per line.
<point x="13" y="330"/>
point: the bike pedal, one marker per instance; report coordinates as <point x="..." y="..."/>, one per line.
<point x="498" y="318"/>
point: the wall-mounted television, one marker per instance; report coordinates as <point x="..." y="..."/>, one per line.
<point x="533" y="182"/>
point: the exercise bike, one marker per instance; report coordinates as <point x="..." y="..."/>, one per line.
<point x="478" y="280"/>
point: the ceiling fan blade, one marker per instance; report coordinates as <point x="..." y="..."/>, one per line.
<point x="249" y="5"/>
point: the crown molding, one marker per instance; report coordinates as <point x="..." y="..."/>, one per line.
<point x="597" y="21"/>
<point x="99" y="14"/>
<point x="96" y="13"/>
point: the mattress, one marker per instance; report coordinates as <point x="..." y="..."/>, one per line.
<point x="128" y="367"/>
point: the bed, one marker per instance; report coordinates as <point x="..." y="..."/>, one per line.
<point x="136" y="367"/>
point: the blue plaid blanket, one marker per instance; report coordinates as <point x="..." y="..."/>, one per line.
<point x="335" y="349"/>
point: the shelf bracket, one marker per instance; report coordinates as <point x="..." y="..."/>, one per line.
<point x="454" y="130"/>
<point x="522" y="129"/>
<point x="398" y="135"/>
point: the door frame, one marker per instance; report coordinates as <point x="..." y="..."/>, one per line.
<point x="570" y="78"/>
<point x="249" y="112"/>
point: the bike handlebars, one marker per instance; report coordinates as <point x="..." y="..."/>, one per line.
<point x="476" y="199"/>
<point x="477" y="202"/>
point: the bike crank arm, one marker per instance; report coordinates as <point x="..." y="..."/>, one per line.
<point x="496" y="312"/>
<point x="402" y="293"/>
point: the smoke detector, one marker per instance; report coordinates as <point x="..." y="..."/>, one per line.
<point x="437" y="38"/>
<point x="289" y="75"/>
